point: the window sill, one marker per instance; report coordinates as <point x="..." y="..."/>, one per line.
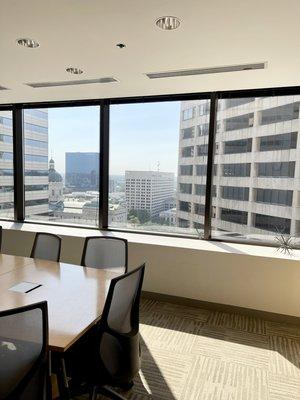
<point x="156" y="240"/>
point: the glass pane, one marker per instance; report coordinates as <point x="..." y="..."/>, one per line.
<point x="62" y="165"/>
<point x="257" y="180"/>
<point x="6" y="166"/>
<point x="158" y="157"/>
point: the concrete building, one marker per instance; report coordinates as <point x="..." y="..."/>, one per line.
<point x="117" y="213"/>
<point x="36" y="163"/>
<point x="148" y="190"/>
<point x="169" y="216"/>
<point x="56" y="186"/>
<point x="6" y="166"/>
<point x="256" y="173"/>
<point x="82" y="171"/>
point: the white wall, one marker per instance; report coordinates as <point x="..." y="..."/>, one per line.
<point x="214" y="275"/>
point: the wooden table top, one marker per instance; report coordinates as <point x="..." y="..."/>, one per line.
<point x="9" y="263"/>
<point x="75" y="295"/>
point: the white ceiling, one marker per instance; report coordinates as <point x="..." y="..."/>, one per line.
<point x="84" y="34"/>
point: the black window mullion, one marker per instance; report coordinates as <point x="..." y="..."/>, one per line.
<point x="104" y="165"/>
<point x="210" y="161"/>
<point x="19" y="208"/>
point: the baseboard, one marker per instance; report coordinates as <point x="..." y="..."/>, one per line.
<point x="290" y="319"/>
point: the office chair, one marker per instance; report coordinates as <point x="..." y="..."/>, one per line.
<point x="24" y="358"/>
<point x="46" y="246"/>
<point x="110" y="353"/>
<point x="105" y="252"/>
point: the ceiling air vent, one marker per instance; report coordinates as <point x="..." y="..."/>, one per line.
<point x="205" y="71"/>
<point x="71" y="83"/>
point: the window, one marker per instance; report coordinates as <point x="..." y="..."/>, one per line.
<point x="276" y="169"/>
<point x="201" y="170"/>
<point x="235" y="193"/>
<point x="188" y="133"/>
<point x="272" y="224"/>
<point x="61" y="166"/>
<point x="257" y="208"/>
<point x="187" y="151"/>
<point x="278" y="142"/>
<point x="204" y="108"/>
<point x="36" y="143"/>
<point x="188" y="114"/>
<point x="278" y="114"/>
<point x="185" y="188"/>
<point x="6" y="165"/>
<point x="202" y="150"/>
<point x="237" y="170"/>
<point x="199" y="209"/>
<point x="158" y="166"/>
<point x="185" y="206"/>
<point x="203" y="129"/>
<point x="150" y="144"/>
<point x="6" y="138"/>
<point x="200" y="190"/>
<point x="274" y="196"/>
<point x="186" y="170"/>
<point x="237" y="102"/>
<point x="239" y="122"/>
<point x="238" y="146"/>
<point x="183" y="223"/>
<point x="235" y="216"/>
<point x="30" y="188"/>
<point x="6" y="156"/>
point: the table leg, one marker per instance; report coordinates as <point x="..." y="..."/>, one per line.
<point x="62" y="379"/>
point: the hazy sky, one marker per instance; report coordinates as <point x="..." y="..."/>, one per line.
<point x="140" y="135"/>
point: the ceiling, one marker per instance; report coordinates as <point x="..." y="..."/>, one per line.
<point x="84" y="34"/>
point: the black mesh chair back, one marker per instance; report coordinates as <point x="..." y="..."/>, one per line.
<point x="24" y="364"/>
<point x="117" y="342"/>
<point x="46" y="246"/>
<point x="105" y="252"/>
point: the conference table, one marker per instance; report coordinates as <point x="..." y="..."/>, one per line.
<point x="76" y="296"/>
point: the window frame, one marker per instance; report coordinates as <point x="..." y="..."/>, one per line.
<point x="104" y="131"/>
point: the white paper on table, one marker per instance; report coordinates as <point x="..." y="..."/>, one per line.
<point x="24" y="287"/>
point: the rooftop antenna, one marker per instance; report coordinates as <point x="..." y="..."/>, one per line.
<point x="158" y="165"/>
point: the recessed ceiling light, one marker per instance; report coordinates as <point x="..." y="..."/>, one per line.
<point x="168" y="23"/>
<point x="75" y="71"/>
<point x="26" y="42"/>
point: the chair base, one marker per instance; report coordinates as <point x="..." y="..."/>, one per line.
<point x="106" y="391"/>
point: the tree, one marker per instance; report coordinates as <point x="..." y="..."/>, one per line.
<point x="134" y="220"/>
<point x="142" y="215"/>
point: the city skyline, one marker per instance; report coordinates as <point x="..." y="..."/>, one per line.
<point x="156" y="121"/>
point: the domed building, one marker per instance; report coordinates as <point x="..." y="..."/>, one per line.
<point x="56" y="196"/>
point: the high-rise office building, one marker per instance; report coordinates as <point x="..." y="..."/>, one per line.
<point x="82" y="171"/>
<point x="148" y="190"/>
<point x="35" y="162"/>
<point x="256" y="170"/>
<point x="6" y="165"/>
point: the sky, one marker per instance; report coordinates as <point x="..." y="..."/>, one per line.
<point x="141" y="135"/>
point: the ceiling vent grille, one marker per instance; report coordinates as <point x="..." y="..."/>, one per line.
<point x="71" y="83"/>
<point x="206" y="71"/>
